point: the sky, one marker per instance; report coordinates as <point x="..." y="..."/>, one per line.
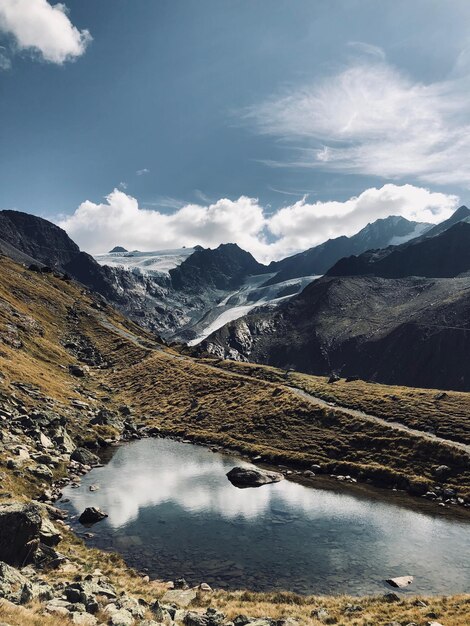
<point x="270" y="123"/>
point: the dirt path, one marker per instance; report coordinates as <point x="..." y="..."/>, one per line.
<point x="319" y="402"/>
<point x="379" y="420"/>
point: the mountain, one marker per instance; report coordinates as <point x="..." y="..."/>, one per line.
<point x="460" y="215"/>
<point x="49" y="245"/>
<point x="441" y="256"/>
<point x="118" y="249"/>
<point x="318" y="260"/>
<point x="168" y="293"/>
<point x="412" y="331"/>
<point x="397" y="316"/>
<point x="224" y="268"/>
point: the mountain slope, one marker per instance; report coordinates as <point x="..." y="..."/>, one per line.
<point x="318" y="260"/>
<point x="446" y="254"/>
<point x="412" y="331"/>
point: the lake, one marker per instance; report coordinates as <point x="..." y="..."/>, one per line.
<point x="172" y="513"/>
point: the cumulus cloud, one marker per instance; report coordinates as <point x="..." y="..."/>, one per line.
<point x="143" y="171"/>
<point x="372" y="119"/>
<point x="120" y="221"/>
<point x="44" y="29"/>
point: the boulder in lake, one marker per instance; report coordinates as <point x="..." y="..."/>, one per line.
<point x="19" y="532"/>
<point x="252" y="477"/>
<point x="91" y="515"/>
<point x="400" y="581"/>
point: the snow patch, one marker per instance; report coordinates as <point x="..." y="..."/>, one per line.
<point x="152" y="263"/>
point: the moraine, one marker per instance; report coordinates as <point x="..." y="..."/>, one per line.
<point x="173" y="512"/>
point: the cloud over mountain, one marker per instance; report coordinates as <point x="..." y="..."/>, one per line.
<point x="97" y="227"/>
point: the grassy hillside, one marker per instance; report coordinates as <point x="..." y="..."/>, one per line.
<point x="48" y="324"/>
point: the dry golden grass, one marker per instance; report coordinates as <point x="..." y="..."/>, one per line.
<point x="422" y="409"/>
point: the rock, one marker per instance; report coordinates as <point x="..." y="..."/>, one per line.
<point x="49" y="534"/>
<point x="205" y="587"/>
<point x="180" y="583"/>
<point x="211" y="617"/>
<point x="91" y="515"/>
<point x="85" y="457"/>
<point x="42" y="471"/>
<point x="12" y="583"/>
<point x="77" y="370"/>
<point x="252" y="477"/>
<point x="400" y="581"/>
<point x="442" y="472"/>
<point x="181" y="597"/>
<point x="163" y="614"/>
<point x="45" y="441"/>
<point x="133" y="606"/>
<point x="19" y="532"/>
<point x="122" y="617"/>
<point x="323" y="616"/>
<point x="390" y="597"/>
<point x="334" y="378"/>
<point x="93" y="487"/>
<point x="58" y="606"/>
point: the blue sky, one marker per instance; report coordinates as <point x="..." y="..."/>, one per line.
<point x="259" y="121"/>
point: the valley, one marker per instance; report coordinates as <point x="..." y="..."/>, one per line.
<point x="130" y="385"/>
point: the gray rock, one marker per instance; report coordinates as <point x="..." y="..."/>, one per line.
<point x="91" y="515"/>
<point x="180" y="597"/>
<point x="49" y="535"/>
<point x="84" y="456"/>
<point x="122" y="617"/>
<point x="400" y="581"/>
<point x="19" y="532"/>
<point x="323" y="616"/>
<point x="252" y="477"/>
<point x="12" y="583"/>
<point x="442" y="472"/>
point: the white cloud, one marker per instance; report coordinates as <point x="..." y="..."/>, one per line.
<point x="372" y="119"/>
<point x="120" y="221"/>
<point x="143" y="171"/>
<point x="44" y="29"/>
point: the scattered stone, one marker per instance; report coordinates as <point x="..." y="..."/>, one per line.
<point x="180" y="583"/>
<point x="334" y="378"/>
<point x="400" y="581"/>
<point x="93" y="487"/>
<point x="252" y="477"/>
<point x="205" y="587"/>
<point x="91" y="515"/>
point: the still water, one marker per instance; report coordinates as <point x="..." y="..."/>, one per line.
<point x="173" y="512"/>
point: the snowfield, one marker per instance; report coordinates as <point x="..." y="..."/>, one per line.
<point x="156" y="262"/>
